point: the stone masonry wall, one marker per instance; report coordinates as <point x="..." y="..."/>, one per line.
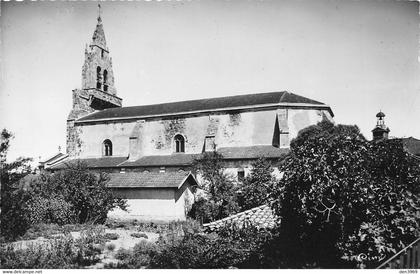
<point x="155" y="137"/>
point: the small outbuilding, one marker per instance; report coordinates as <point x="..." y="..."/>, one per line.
<point x="154" y="196"/>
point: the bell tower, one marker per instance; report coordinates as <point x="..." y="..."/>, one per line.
<point x="98" y="90"/>
<point x="381" y="131"/>
<point x="97" y="69"/>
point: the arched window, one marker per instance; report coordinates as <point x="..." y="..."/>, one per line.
<point x="98" y="77"/>
<point x="107" y="148"/>
<point x="105" y="80"/>
<point x="179" y="143"/>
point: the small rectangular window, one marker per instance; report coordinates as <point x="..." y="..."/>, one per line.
<point x="241" y="175"/>
<point x="162" y="169"/>
<point x="209" y="143"/>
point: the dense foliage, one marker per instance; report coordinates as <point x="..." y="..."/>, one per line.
<point x="237" y="247"/>
<point x="223" y="195"/>
<point x="63" y="252"/>
<point x="254" y="191"/>
<point x="86" y="191"/>
<point x="220" y="199"/>
<point x="344" y="201"/>
<point x="72" y="195"/>
<point x="13" y="220"/>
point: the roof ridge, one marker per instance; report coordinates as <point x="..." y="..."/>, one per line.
<point x="283" y="95"/>
<point x="202" y="99"/>
<point x="235" y="215"/>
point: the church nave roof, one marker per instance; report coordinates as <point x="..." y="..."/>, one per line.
<point x="237" y="102"/>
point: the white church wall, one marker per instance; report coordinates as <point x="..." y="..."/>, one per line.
<point x="299" y="119"/>
<point x="92" y="137"/>
<point x="155" y="137"/>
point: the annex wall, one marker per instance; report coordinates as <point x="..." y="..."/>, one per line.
<point x="157" y="204"/>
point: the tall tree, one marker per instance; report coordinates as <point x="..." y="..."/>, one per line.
<point x="343" y="199"/>
<point x="255" y="189"/>
<point x="220" y="199"/>
<point x="13" y="221"/>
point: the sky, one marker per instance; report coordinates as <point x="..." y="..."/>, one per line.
<point x="359" y="57"/>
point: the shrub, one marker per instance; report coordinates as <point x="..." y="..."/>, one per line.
<point x="110" y="247"/>
<point x="231" y="247"/>
<point x="49" y="210"/>
<point x="255" y="189"/>
<point x="86" y="191"/>
<point x="139" y="257"/>
<point x="89" y="246"/>
<point x="139" y="235"/>
<point x="111" y="236"/>
<point x="122" y="254"/>
<point x="58" y="253"/>
<point x="55" y="254"/>
<point x="220" y="200"/>
<point x="41" y="230"/>
<point x="345" y="196"/>
<point x="13" y="222"/>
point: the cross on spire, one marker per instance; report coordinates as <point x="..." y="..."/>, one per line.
<point x="99" y="12"/>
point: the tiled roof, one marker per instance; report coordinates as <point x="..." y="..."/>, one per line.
<point x="177" y="159"/>
<point x="252" y="152"/>
<point x="93" y="162"/>
<point x="52" y="158"/>
<point x="150" y="179"/>
<point x="261" y="216"/>
<point x="228" y="153"/>
<point x="412" y="145"/>
<point x="194" y="106"/>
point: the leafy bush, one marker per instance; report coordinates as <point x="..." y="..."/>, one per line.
<point x="139" y="257"/>
<point x="345" y="196"/>
<point x="255" y="189"/>
<point x="85" y="191"/>
<point x="89" y="246"/>
<point x="13" y="221"/>
<point x="122" y="254"/>
<point x="139" y="235"/>
<point x="221" y="197"/>
<point x="40" y="230"/>
<point x="111" y="236"/>
<point x="110" y="247"/>
<point x="49" y="210"/>
<point x="72" y="195"/>
<point x="58" y="253"/>
<point x="231" y="247"/>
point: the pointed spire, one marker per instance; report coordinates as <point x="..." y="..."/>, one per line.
<point x="98" y="38"/>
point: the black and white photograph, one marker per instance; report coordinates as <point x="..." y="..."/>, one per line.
<point x="209" y="134"/>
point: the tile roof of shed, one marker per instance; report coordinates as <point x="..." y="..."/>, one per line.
<point x="194" y="106"/>
<point x="261" y="216"/>
<point x="150" y="179"/>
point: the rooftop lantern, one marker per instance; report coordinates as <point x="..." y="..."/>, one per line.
<point x="380" y="132"/>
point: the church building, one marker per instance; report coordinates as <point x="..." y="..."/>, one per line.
<point x="148" y="150"/>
